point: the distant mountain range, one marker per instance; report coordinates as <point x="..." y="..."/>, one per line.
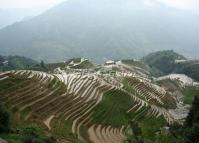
<point x="101" y="30"/>
<point x="12" y="15"/>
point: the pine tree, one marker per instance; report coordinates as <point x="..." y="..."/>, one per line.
<point x="42" y="64"/>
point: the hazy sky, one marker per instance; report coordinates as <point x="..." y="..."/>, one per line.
<point x="28" y="3"/>
<point x="190" y="5"/>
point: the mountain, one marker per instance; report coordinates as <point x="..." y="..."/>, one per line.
<point x="101" y="30"/>
<point x="166" y="62"/>
<point x="13" y="15"/>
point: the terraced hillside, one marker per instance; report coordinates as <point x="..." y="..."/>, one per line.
<point x="81" y="107"/>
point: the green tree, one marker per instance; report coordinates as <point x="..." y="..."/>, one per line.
<point x="33" y="134"/>
<point x="189" y="132"/>
<point x="4" y="119"/>
<point x="193" y="116"/>
<point x="192" y="134"/>
<point x="136" y="133"/>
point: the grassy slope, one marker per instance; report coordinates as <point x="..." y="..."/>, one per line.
<point x="151" y="126"/>
<point x="112" y="109"/>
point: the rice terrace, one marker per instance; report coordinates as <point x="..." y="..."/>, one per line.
<point x="89" y="105"/>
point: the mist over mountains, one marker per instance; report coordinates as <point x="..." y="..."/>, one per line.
<point x="101" y="30"/>
<point x="12" y="15"/>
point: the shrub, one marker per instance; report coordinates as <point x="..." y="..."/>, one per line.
<point x="33" y="134"/>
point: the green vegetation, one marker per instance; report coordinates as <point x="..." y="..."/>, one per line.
<point x="84" y="65"/>
<point x="20" y="134"/>
<point x="163" y="62"/>
<point x="12" y="128"/>
<point x="4" y="119"/>
<point x="136" y="132"/>
<point x="34" y="134"/>
<point x="189" y="93"/>
<point x="145" y="130"/>
<point x="27" y="134"/>
<point x="188" y="133"/>
<point x="15" y="62"/>
<point x="23" y="63"/>
<point x="23" y="130"/>
<point x="40" y="67"/>
<point x="193" y="117"/>
<point x="189" y="68"/>
<point x="62" y="130"/>
<point x="112" y="109"/>
<point x="62" y="88"/>
<point x="52" y="66"/>
<point x="26" y="122"/>
<point x="151" y="126"/>
<point x="129" y="83"/>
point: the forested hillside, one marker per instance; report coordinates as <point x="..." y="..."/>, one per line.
<point x="166" y="62"/>
<point x="15" y="62"/>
